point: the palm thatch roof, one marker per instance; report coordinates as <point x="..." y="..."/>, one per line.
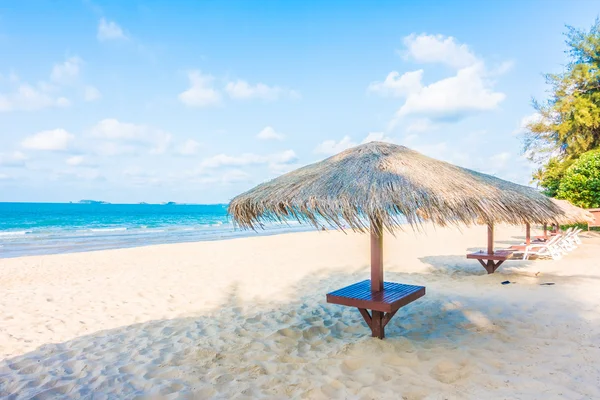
<point x="572" y="214"/>
<point x="388" y="183"/>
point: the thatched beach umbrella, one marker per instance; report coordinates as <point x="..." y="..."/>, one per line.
<point x="571" y="214"/>
<point x="378" y="186"/>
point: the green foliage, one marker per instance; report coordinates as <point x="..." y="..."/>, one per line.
<point x="580" y="183"/>
<point x="550" y="175"/>
<point x="568" y="123"/>
<point x="581" y="226"/>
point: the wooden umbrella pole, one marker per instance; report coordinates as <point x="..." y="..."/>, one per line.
<point x="528" y="234"/>
<point x="376" y="256"/>
<point x="490" y="244"/>
<point x="377" y="323"/>
<point x="545" y="230"/>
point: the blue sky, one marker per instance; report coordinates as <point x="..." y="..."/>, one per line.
<point x="198" y="101"/>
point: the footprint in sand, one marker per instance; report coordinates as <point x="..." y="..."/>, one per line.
<point x="290" y="333"/>
<point x="351" y="365"/>
<point x="129" y="369"/>
<point x="255" y="319"/>
<point x="447" y="371"/>
<point x="204" y="393"/>
<point x="74" y="367"/>
<point x="418" y="394"/>
<point x="22" y="364"/>
<point x="314" y="332"/>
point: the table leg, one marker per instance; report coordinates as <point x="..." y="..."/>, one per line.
<point x="377" y="324"/>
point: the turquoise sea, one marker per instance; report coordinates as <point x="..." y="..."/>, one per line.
<point x="49" y="228"/>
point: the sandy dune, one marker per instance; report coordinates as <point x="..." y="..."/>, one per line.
<point x="247" y="318"/>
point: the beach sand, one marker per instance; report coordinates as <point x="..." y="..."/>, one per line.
<point x="247" y="318"/>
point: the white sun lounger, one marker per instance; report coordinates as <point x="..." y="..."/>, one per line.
<point x="576" y="237"/>
<point x="571" y="239"/>
<point x="549" y="249"/>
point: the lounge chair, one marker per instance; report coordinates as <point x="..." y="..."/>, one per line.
<point x="570" y="240"/>
<point x="564" y="243"/>
<point x="549" y="249"/>
<point x="576" y="237"/>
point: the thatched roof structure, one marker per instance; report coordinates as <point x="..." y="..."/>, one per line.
<point x="385" y="182"/>
<point x="572" y="214"/>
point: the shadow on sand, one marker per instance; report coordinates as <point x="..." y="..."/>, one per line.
<point x="306" y="348"/>
<point x="454" y="265"/>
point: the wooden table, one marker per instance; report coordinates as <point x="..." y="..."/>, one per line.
<point x="491" y="260"/>
<point x="384" y="303"/>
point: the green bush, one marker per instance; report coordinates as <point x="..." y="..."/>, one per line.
<point x="550" y="175"/>
<point x="582" y="226"/>
<point x="581" y="182"/>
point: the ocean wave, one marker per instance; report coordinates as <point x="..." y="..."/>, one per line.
<point x="14" y="233"/>
<point x="150" y="230"/>
<point x="107" y="229"/>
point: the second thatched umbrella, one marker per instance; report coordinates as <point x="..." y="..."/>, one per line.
<point x="571" y="215"/>
<point x="377" y="187"/>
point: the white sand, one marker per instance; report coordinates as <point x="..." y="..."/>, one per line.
<point x="247" y="318"/>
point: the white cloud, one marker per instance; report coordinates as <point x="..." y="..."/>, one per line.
<point x="201" y="93"/>
<point x="438" y="49"/>
<point x="470" y="90"/>
<point x="142" y="177"/>
<point x="503" y="68"/>
<point x="499" y="161"/>
<point x="123" y="137"/>
<point x="4" y="177"/>
<point x="331" y="147"/>
<point x="115" y="148"/>
<point x="455" y="97"/>
<point x="223" y="160"/>
<point x="226" y="169"/>
<point x="398" y="85"/>
<point x="112" y="129"/>
<point x="109" y="30"/>
<point x="235" y="175"/>
<point x="377" y="137"/>
<point x="225" y="178"/>
<point x="420" y="125"/>
<point x="409" y="139"/>
<point x="161" y="142"/>
<point x="66" y="72"/>
<point x="437" y="150"/>
<point x="242" y="90"/>
<point x="30" y="98"/>
<point x="12" y="77"/>
<point x="280" y="169"/>
<point x="75" y="160"/>
<point x="189" y="148"/>
<point x="14" y="159"/>
<point x="90" y="93"/>
<point x="504" y="163"/>
<point x="268" y="133"/>
<point x="52" y="140"/>
<point x="79" y="174"/>
<point x="526" y="120"/>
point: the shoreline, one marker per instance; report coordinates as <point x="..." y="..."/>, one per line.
<point x="121" y="238"/>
